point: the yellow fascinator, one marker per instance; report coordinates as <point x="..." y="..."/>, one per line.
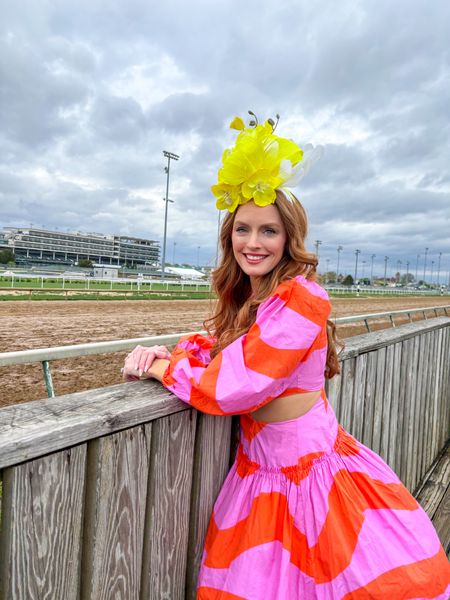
<point x="260" y="163"/>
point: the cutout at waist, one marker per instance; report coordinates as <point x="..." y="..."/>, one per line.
<point x="286" y="408"/>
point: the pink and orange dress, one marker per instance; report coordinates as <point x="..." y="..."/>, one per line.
<point x="306" y="511"/>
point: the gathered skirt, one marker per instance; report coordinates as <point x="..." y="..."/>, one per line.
<point x="308" y="512"/>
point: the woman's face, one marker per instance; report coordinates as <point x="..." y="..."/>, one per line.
<point x="258" y="239"/>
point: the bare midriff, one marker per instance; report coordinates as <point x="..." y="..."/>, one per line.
<point x="286" y="407"/>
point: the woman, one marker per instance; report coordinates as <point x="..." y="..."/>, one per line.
<point x="306" y="510"/>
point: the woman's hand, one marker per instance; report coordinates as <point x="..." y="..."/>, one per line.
<point x="138" y="362"/>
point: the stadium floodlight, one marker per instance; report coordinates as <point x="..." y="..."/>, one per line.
<point x="317" y="244"/>
<point x="170" y="156"/>
<point x="425" y="265"/>
<point x="439" y="267"/>
<point x="357" y="253"/>
<point x="339" y="250"/>
<point x="371" y="269"/>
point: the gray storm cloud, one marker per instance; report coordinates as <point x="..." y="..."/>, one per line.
<point x="91" y="93"/>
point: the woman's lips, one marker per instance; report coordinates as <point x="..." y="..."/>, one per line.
<point x="255" y="259"/>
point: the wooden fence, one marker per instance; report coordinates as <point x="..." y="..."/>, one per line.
<point x="107" y="493"/>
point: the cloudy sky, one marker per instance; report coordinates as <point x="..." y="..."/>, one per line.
<point x="93" y="91"/>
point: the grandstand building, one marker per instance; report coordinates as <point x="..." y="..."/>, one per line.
<point x="33" y="246"/>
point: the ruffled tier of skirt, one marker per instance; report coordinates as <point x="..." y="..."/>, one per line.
<point x="340" y="527"/>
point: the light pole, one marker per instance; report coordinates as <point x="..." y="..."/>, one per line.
<point x="371" y="269"/>
<point x="328" y="269"/>
<point x="198" y="256"/>
<point x="386" y="258"/>
<point x="407" y="271"/>
<point x="357" y="252"/>
<point x="399" y="265"/>
<point x="363" y="268"/>
<point x="339" y="250"/>
<point x="317" y="244"/>
<point x="417" y="265"/>
<point x="425" y="265"/>
<point x="169" y="156"/>
<point x="439" y="267"/>
<point x="173" y="253"/>
<point x="432" y="267"/>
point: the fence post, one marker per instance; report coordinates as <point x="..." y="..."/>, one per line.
<point x="48" y="379"/>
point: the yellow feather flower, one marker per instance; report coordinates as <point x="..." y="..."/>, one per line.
<point x="255" y="167"/>
<point x="227" y="196"/>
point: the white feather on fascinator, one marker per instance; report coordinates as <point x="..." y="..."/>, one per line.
<point x="293" y="175"/>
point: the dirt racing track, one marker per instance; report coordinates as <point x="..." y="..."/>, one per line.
<point x="40" y="324"/>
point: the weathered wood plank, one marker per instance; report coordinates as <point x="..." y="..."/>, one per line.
<point x="433" y="399"/>
<point x="406" y="413"/>
<point x="36" y="428"/>
<point x="115" y="510"/>
<point x="359" y="389"/>
<point x="444" y="365"/>
<point x="167" y="511"/>
<point x="425" y="458"/>
<point x="434" y="496"/>
<point x="387" y="403"/>
<point x="394" y="430"/>
<point x="441" y="521"/>
<point x="429" y="397"/>
<point x="402" y="408"/>
<point x="445" y="386"/>
<point x="436" y="481"/>
<point x="378" y="397"/>
<point x="41" y="527"/>
<point x="414" y="423"/>
<point x="211" y="454"/>
<point x="348" y="376"/>
<point x="420" y="409"/>
<point x="369" y="398"/>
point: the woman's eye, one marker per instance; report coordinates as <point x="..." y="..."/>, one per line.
<point x="240" y="229"/>
<point x="269" y="231"/>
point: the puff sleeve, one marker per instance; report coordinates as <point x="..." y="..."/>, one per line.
<point x="257" y="366"/>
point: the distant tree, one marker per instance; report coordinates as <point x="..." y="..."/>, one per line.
<point x="348" y="280"/>
<point x="85" y="263"/>
<point x="407" y="278"/>
<point x="327" y="277"/>
<point x="6" y="256"/>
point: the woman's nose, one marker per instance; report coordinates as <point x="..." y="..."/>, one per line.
<point x="253" y="240"/>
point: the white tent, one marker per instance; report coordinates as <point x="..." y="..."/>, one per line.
<point x="185" y="272"/>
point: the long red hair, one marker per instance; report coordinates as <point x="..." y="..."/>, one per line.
<point x="236" y="308"/>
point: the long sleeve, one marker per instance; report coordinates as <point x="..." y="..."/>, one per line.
<point x="257" y="366"/>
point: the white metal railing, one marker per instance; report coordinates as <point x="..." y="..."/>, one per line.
<point x="144" y="283"/>
<point x="45" y="355"/>
<point x="391" y="291"/>
<point x="125" y="283"/>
